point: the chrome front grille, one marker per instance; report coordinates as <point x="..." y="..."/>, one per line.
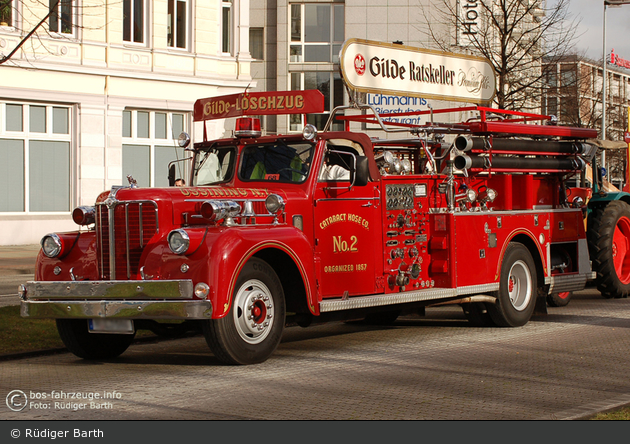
<point x="124" y="229"/>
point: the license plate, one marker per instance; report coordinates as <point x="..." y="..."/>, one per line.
<point x="118" y="326"/>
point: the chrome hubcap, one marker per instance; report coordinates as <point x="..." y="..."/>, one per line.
<point x="520" y="286"/>
<point x="254" y="311"/>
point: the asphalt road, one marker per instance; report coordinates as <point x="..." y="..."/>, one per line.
<point x="568" y="364"/>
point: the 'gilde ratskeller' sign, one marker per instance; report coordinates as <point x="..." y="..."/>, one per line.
<point x="401" y="70"/>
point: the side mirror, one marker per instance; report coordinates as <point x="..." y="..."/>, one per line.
<point x="171" y="175"/>
<point x="360" y="172"/>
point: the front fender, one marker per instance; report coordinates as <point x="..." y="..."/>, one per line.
<point x="229" y="252"/>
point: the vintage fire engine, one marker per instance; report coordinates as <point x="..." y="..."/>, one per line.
<point x="332" y="225"/>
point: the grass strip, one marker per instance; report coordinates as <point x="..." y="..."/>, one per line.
<point x="26" y="334"/>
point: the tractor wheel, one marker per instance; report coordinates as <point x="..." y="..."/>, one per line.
<point x="517" y="294"/>
<point x="252" y="330"/>
<point x="609" y="246"/>
<point x="559" y="299"/>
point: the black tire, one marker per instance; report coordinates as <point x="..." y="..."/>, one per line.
<point x="382" y="318"/>
<point x="76" y="337"/>
<point x="239" y="339"/>
<point x="608" y="244"/>
<point x="517" y="294"/>
<point x="561" y="299"/>
<point x="477" y="314"/>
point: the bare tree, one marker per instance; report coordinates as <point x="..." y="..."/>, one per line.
<point x="513" y="35"/>
<point x="41" y="18"/>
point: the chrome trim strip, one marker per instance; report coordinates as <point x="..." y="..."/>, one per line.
<point x="140" y="223"/>
<point x="112" y="241"/>
<point x="347" y="198"/>
<point x="403" y="297"/>
<point x="73" y="290"/>
<point x="127" y="240"/>
<point x="118" y="309"/>
<point x="100" y="235"/>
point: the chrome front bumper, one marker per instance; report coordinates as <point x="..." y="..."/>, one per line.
<point x="113" y="299"/>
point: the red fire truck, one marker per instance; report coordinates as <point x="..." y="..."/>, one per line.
<point x="331" y="225"/>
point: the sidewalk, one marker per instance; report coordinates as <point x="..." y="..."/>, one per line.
<point x="18" y="259"/>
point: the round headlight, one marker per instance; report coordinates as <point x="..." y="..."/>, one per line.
<point x="471" y="195"/>
<point x="406" y="165"/>
<point x="274" y="204"/>
<point x="388" y="157"/>
<point x="492" y="194"/>
<point x="178" y="241"/>
<point x="309" y="132"/>
<point x="51" y="245"/>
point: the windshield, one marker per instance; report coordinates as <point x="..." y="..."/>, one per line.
<point x="214" y="165"/>
<point x="277" y="162"/>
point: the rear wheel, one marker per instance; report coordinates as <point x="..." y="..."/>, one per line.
<point x="609" y="244"/>
<point x="382" y="318"/>
<point x="559" y="299"/>
<point x="252" y="330"/>
<point x="517" y="290"/>
<point x="76" y="337"/>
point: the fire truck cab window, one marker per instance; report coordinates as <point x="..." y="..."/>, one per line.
<point x="277" y="162"/>
<point x="337" y="163"/>
<point x="214" y="165"/>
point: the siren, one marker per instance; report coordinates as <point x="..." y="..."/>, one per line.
<point x="247" y="127"/>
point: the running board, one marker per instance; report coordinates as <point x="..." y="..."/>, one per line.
<point x="573" y="282"/>
<point x="404" y="297"/>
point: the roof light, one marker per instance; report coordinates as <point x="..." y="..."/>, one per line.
<point x="183" y="140"/>
<point x="247" y="127"/>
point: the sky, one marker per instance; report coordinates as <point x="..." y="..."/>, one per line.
<point x="591" y="13"/>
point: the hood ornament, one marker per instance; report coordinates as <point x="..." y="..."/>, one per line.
<point x="133" y="183"/>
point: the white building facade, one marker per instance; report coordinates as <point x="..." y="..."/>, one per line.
<point x="102" y="90"/>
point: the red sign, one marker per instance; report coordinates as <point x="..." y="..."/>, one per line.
<point x="616" y="60"/>
<point x="626" y="137"/>
<point x="259" y="103"/>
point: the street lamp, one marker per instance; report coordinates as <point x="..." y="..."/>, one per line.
<point x="613" y="3"/>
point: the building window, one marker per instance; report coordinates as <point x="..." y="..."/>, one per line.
<point x="35" y="141"/>
<point x="317" y="32"/>
<point x="6" y="12"/>
<point x="61" y="19"/>
<point x="331" y="85"/>
<point x="257" y="43"/>
<point x="150" y="144"/>
<point x="133" y="21"/>
<point x="177" y="23"/>
<point x="226" y="26"/>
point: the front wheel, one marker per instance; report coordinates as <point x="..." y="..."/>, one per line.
<point x="76" y="337"/>
<point x="252" y="329"/>
<point x="517" y="290"/>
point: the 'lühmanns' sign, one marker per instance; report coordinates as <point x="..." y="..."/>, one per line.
<point x="386" y="68"/>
